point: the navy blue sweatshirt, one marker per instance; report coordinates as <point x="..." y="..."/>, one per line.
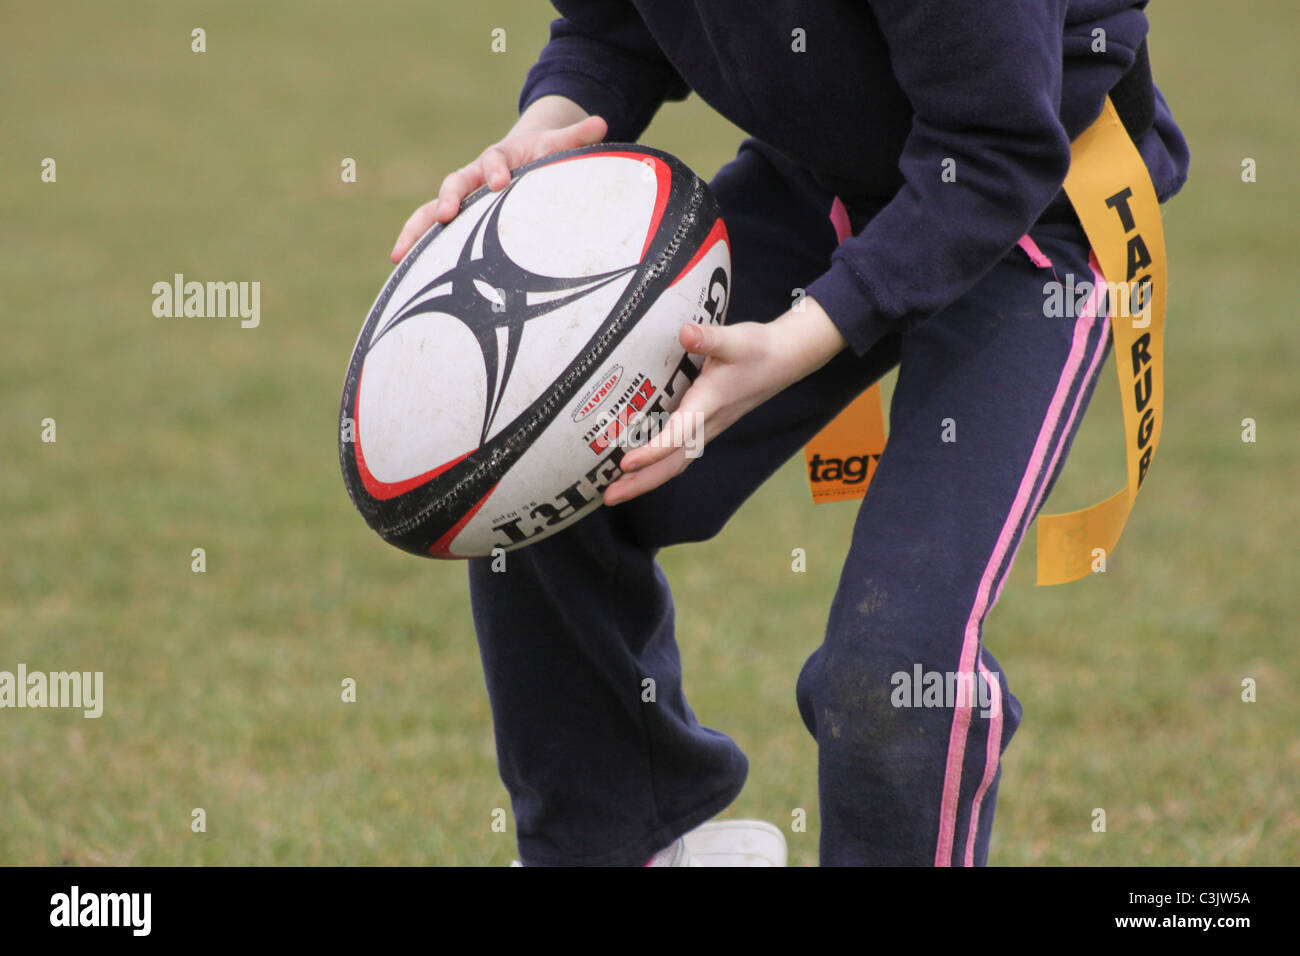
<point x="885" y="92"/>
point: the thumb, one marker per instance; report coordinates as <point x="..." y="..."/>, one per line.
<point x="717" y="341"/>
<point x="584" y="133"/>
<point x="591" y="130"/>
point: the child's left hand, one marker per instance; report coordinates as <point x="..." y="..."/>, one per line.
<point x="745" y="364"/>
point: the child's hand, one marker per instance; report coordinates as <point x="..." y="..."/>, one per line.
<point x="533" y="137"/>
<point x="745" y="364"/>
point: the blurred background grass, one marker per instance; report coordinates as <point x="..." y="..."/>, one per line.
<point x="223" y="688"/>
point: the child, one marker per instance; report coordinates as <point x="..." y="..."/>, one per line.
<point x="931" y="136"/>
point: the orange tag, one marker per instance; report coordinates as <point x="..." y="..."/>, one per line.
<point x="842" y="457"/>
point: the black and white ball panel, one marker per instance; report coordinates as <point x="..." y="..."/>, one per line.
<point x="492" y="387"/>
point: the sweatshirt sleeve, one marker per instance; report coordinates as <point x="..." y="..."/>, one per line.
<point x="602" y="57"/>
<point x="985" y="156"/>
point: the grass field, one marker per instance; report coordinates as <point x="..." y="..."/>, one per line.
<point x="222" y="688"/>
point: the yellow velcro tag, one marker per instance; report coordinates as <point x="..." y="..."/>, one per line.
<point x="1112" y="194"/>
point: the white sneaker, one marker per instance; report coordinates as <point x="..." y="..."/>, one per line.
<point x="735" y="843"/>
<point x="724" y="843"/>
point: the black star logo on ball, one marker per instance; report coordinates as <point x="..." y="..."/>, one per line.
<point x="495" y="297"/>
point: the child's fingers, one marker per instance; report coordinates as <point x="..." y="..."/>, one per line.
<point x="455" y="188"/>
<point x="495" y="164"/>
<point x="646" y="455"/>
<point x="718" y="341"/>
<point x="674" y="434"/>
<point x="585" y="133"/>
<point x="493" y="168"/>
<point x="647" y="478"/>
<point x="591" y="130"/>
<point x="416" y="226"/>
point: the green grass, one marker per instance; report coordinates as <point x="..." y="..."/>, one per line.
<point x="223" y="688"/>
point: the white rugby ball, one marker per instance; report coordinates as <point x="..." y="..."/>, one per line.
<point x="516" y="351"/>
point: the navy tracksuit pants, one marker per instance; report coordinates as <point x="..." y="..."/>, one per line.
<point x="568" y="633"/>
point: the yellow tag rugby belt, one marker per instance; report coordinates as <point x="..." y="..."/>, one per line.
<point x="1112" y="194"/>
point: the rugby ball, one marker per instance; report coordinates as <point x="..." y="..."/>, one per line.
<point x="517" y="352"/>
